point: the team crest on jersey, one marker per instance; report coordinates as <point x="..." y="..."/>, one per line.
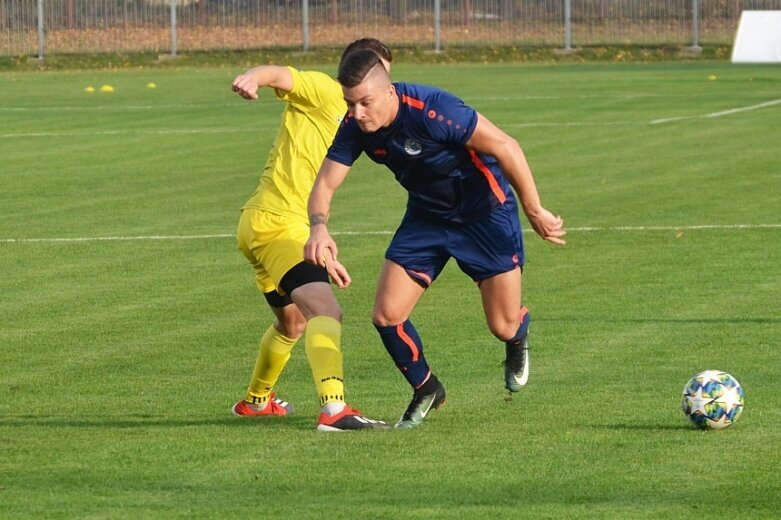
<point x="412" y="147"/>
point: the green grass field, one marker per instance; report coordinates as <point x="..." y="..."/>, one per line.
<point x="130" y="320"/>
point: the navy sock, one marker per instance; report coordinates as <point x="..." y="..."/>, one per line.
<point x="523" y="329"/>
<point x="406" y="348"/>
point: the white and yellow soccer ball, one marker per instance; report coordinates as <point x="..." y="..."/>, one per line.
<point x="712" y="400"/>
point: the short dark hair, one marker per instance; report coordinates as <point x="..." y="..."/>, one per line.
<point x="355" y="67"/>
<point x="372" y="44"/>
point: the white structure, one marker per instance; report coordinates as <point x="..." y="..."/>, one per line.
<point x="758" y="39"/>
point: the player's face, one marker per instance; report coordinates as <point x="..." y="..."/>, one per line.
<point x="371" y="104"/>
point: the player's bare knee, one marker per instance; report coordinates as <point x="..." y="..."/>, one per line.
<point x="503" y="330"/>
<point x="383" y="318"/>
<point x="337" y="315"/>
<point x="380" y="321"/>
<point x="293" y="326"/>
<point x="331" y="311"/>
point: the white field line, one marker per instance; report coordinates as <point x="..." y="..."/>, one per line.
<point x="243" y="104"/>
<point x="173" y="131"/>
<point x="573" y="123"/>
<point x="117" y="238"/>
<point x="195" y="131"/>
<point x="67" y="108"/>
<point x="675" y="228"/>
<point x="583" y="96"/>
<point x="718" y="114"/>
<point x="239" y="104"/>
<point x="130" y="238"/>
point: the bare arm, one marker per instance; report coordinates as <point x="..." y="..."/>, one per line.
<point x="490" y="140"/>
<point x="274" y="76"/>
<point x="321" y="248"/>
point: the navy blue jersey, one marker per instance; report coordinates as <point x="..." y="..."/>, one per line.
<point x="425" y="149"/>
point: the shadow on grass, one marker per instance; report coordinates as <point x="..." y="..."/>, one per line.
<point x="643" y="427"/>
<point x="578" y="319"/>
<point x="148" y="421"/>
<point x="291" y="423"/>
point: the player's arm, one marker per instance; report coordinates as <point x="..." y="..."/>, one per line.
<point x="274" y="76"/>
<point x="490" y="140"/>
<point x="321" y="248"/>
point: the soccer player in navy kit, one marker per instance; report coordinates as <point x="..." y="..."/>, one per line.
<point x="460" y="172"/>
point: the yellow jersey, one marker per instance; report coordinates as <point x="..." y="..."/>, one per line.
<point x="315" y="107"/>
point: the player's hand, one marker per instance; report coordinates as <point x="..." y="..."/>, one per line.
<point x="338" y="273"/>
<point x="549" y="226"/>
<point x="246" y="86"/>
<point x="321" y="250"/>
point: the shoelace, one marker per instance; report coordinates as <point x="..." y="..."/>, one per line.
<point x="515" y="358"/>
<point x="276" y="407"/>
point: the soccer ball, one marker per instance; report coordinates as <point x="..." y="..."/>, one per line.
<point x="712" y="400"/>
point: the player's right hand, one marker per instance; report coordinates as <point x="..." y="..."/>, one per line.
<point x="246" y="86"/>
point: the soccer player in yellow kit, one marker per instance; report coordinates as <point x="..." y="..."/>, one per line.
<point x="272" y="231"/>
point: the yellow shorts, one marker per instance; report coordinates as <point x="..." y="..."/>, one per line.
<point x="273" y="244"/>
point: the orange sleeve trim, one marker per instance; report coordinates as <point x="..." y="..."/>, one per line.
<point x="488" y="177"/>
<point x="414" y="103"/>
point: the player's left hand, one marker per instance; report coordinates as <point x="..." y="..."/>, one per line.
<point x="321" y="250"/>
<point x="549" y="226"/>
<point x="246" y="86"/>
<point x="320" y="247"/>
<point x="338" y="273"/>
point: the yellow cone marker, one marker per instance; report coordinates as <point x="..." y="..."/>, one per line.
<point x="89" y="90"/>
<point x="712" y="77"/>
<point x="107" y="88"/>
<point x="151" y="85"/>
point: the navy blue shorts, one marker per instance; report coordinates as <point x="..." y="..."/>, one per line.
<point x="483" y="248"/>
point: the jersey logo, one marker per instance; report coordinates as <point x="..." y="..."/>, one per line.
<point x="412" y="147"/>
<point x="380" y="151"/>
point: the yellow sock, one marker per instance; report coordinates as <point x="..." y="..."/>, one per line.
<point x="323" y="336"/>
<point x="272" y="357"/>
